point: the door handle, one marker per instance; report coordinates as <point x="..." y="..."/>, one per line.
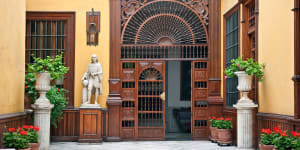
<point x="163" y="96"/>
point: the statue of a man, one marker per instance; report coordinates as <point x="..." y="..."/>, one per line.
<point x="94" y="77"/>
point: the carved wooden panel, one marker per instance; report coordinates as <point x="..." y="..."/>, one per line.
<point x="200" y="75"/>
<point x="200" y="94"/>
<point x="127" y="133"/>
<point x="200" y="114"/>
<point x="151" y="133"/>
<point x="200" y="134"/>
<point x="128" y="94"/>
<point x="128" y="75"/>
<point x="90" y="125"/>
<point x="128" y="114"/>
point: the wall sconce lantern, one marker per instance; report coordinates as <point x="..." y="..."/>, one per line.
<point x="93" y="27"/>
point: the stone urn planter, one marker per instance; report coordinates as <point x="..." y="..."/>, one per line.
<point x="34" y="146"/>
<point x="213" y="134"/>
<point x="224" y="136"/>
<point x="266" y="147"/>
<point x="42" y="85"/>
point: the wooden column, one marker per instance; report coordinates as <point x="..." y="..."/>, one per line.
<point x="214" y="44"/>
<point x="296" y="77"/>
<point x="114" y="100"/>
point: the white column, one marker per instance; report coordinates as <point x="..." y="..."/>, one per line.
<point x="42" y="119"/>
<point x="42" y="109"/>
<point x="244" y="122"/>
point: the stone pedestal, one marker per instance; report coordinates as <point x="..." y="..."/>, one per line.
<point x="42" y="109"/>
<point x="245" y="123"/>
<point x="91" y="124"/>
<point x="42" y="119"/>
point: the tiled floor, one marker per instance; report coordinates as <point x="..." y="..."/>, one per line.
<point x="141" y="145"/>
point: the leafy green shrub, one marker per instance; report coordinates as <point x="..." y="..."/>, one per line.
<point x="222" y="123"/>
<point x="15" y="138"/>
<point x="249" y="66"/>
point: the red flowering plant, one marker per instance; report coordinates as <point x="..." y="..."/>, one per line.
<point x="15" y="138"/>
<point x="223" y="123"/>
<point x="295" y="140"/>
<point x="32" y="133"/>
<point x="212" y="122"/>
<point x="267" y="136"/>
<point x="283" y="141"/>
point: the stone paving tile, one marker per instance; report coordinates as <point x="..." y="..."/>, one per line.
<point x="141" y="145"/>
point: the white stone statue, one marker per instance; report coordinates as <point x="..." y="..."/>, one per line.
<point x="92" y="82"/>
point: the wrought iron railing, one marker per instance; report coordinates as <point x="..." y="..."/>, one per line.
<point x="164" y="52"/>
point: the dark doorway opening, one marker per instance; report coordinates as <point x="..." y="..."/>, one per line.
<point x="178" y="100"/>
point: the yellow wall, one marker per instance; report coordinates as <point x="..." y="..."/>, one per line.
<point x="275" y="48"/>
<point x="226" y="5"/>
<point x="12" y="55"/>
<point x="82" y="51"/>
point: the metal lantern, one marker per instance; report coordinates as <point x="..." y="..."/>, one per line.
<point x="92" y="32"/>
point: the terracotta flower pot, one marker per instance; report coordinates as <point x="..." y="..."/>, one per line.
<point x="224" y="136"/>
<point x="213" y="134"/>
<point x="266" y="147"/>
<point x="34" y="146"/>
<point x="25" y="148"/>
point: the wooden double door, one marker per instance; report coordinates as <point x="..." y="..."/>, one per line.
<point x="143" y="100"/>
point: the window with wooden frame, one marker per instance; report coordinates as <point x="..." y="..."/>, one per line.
<point x="50" y="34"/>
<point x="231" y="51"/>
<point x="250" y="36"/>
<point x="185" y="81"/>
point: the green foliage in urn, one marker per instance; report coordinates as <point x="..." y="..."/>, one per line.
<point x="54" y="66"/>
<point x="249" y="66"/>
<point x="212" y="122"/>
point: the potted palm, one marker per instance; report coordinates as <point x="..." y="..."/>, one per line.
<point x="213" y="129"/>
<point x="224" y="129"/>
<point x="16" y="138"/>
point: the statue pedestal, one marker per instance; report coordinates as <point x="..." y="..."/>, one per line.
<point x="91" y="124"/>
<point x="245" y="124"/>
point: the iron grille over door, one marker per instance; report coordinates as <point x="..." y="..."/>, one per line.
<point x="50" y="34"/>
<point x="232" y="52"/>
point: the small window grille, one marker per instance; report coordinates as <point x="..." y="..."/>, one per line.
<point x="128" y="84"/>
<point x="127" y="123"/>
<point x="200" y="123"/>
<point x="201" y="104"/>
<point x="201" y="84"/>
<point x="128" y="104"/>
<point x="128" y="65"/>
<point x="201" y="65"/>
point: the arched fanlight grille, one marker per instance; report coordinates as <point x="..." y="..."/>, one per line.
<point x="151" y="74"/>
<point x="165" y="25"/>
<point x="182" y="25"/>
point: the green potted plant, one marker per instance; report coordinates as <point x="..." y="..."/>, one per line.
<point x="295" y="140"/>
<point x="266" y="139"/>
<point x="224" y="129"/>
<point x="244" y="70"/>
<point x="32" y="136"/>
<point x="283" y="142"/>
<point x="44" y="69"/>
<point x="213" y="129"/>
<point x="16" y="138"/>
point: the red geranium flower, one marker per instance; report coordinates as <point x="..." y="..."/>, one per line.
<point x="228" y="119"/>
<point x="11" y="129"/>
<point x="28" y="79"/>
<point x="277" y="129"/>
<point x="283" y="134"/>
<point x="213" y="117"/>
<point x="39" y="94"/>
<point x="23" y="133"/>
<point x="34" y="83"/>
<point x="295" y="134"/>
<point x="36" y="128"/>
<point x="266" y="131"/>
<point x="26" y="86"/>
<point x="58" y="90"/>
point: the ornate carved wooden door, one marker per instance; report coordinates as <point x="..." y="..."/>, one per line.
<point x="199" y="99"/>
<point x="151" y="100"/>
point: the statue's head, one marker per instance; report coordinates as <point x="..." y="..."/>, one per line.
<point x="94" y="58"/>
